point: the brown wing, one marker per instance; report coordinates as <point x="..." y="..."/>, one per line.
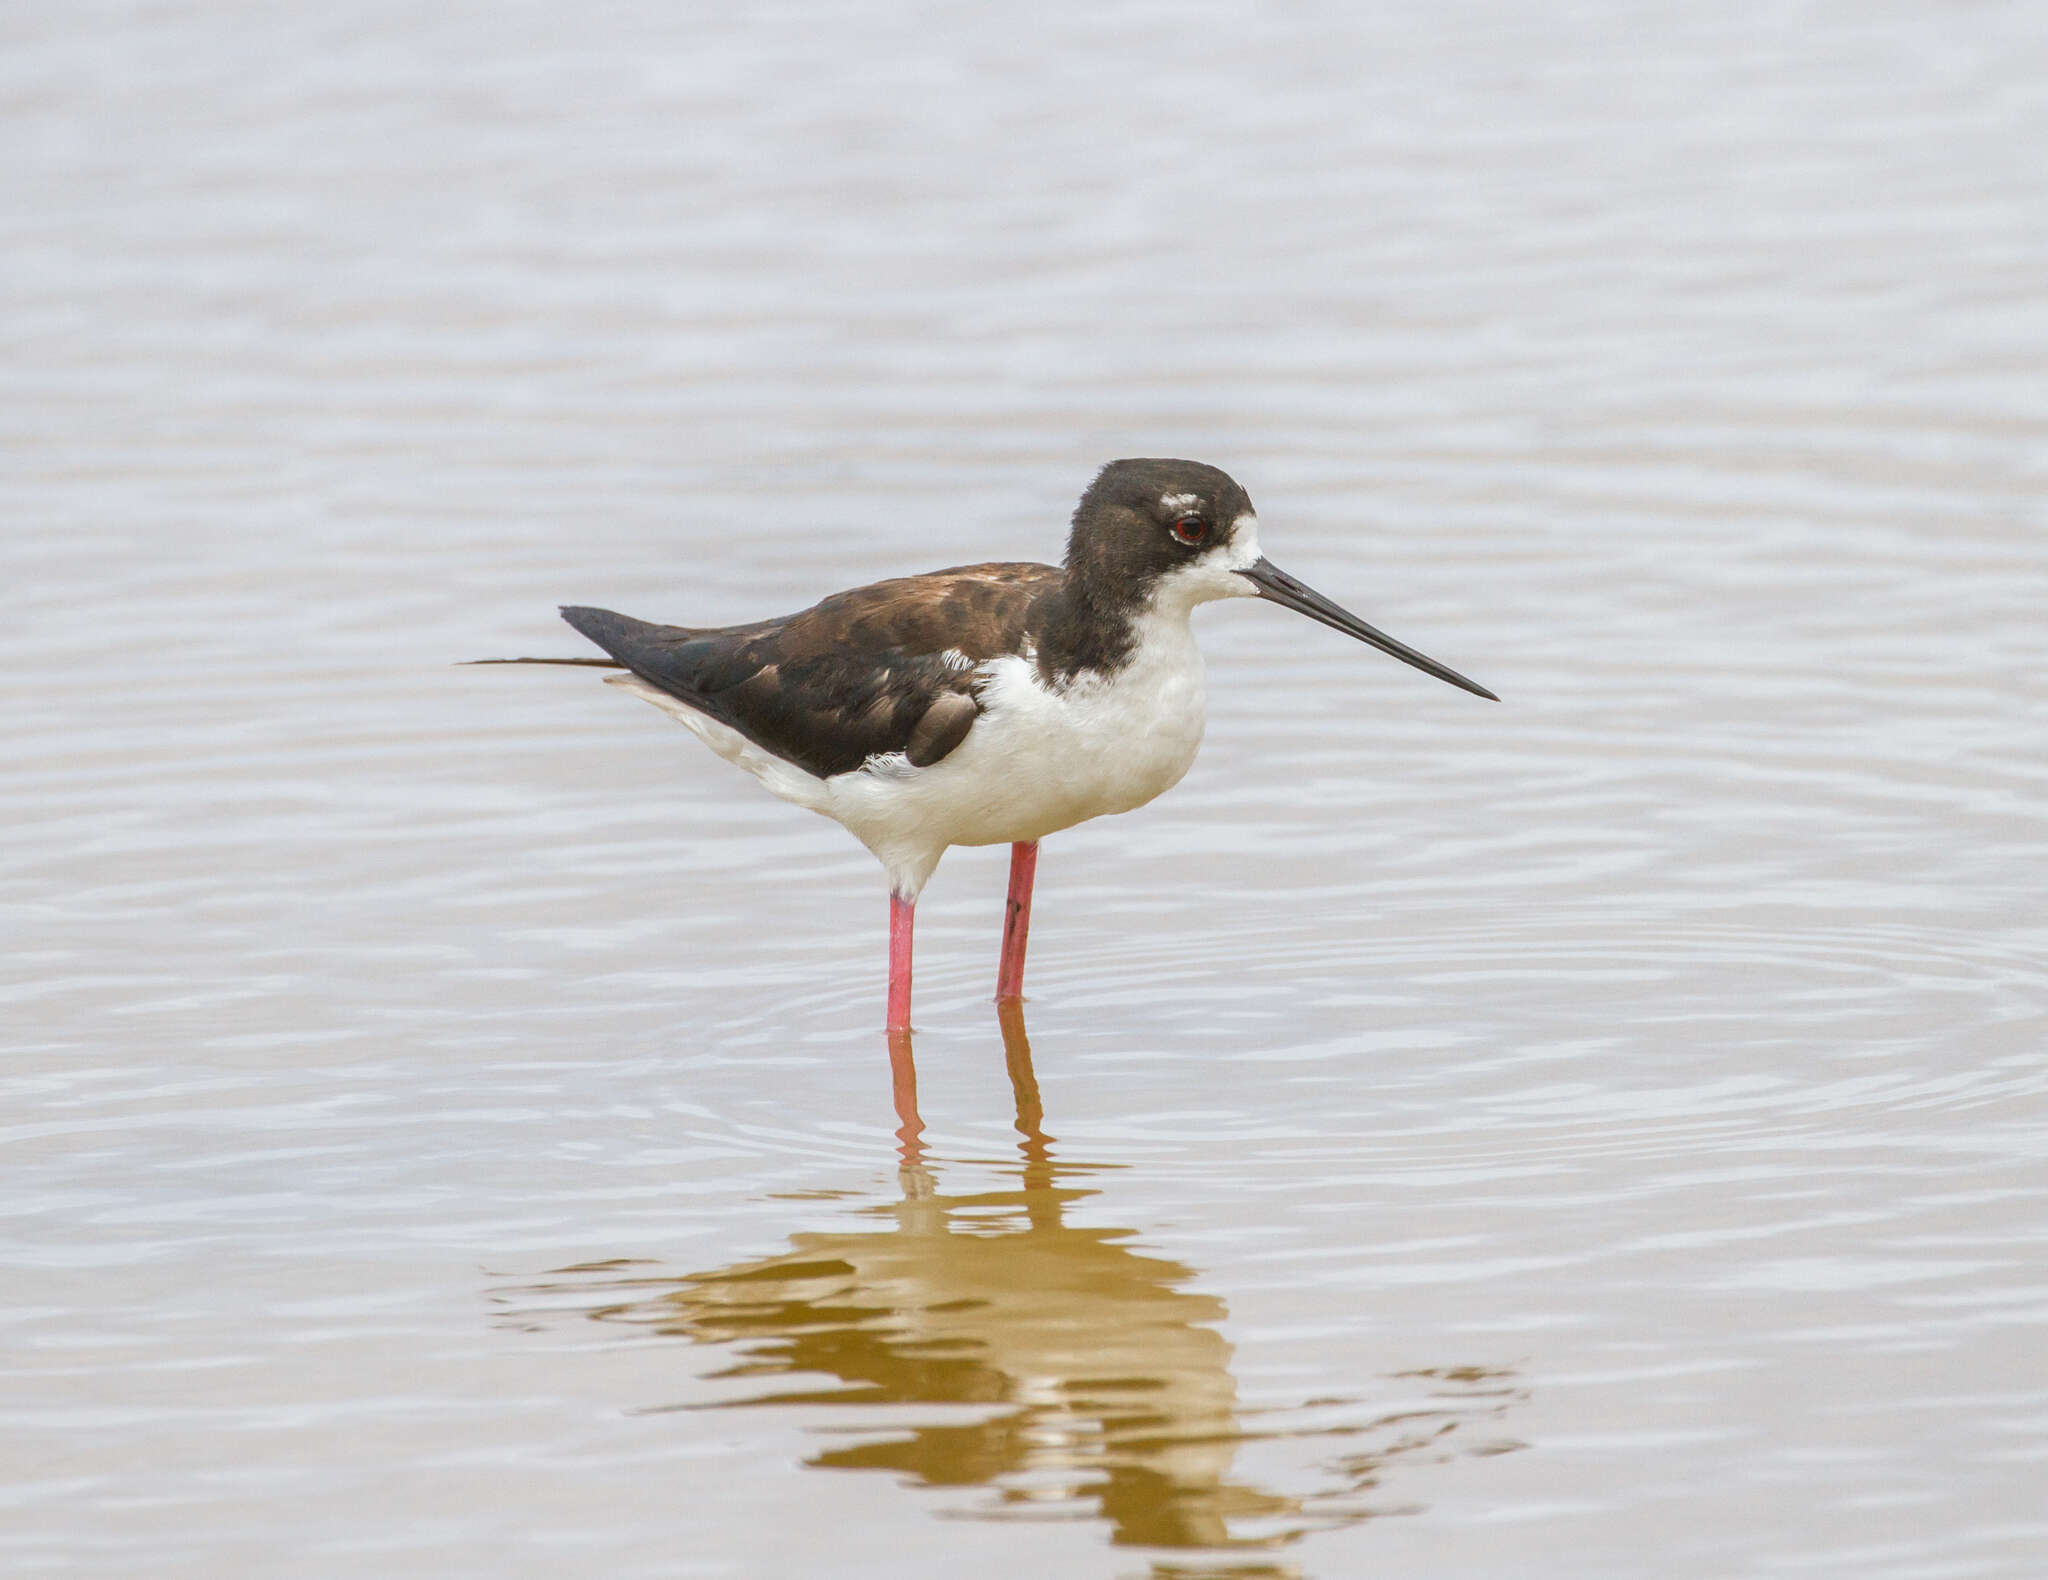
<point x="880" y="669"/>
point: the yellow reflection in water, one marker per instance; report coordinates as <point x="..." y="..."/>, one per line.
<point x="1103" y="1384"/>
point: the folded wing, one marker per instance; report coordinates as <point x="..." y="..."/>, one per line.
<point x="879" y="670"/>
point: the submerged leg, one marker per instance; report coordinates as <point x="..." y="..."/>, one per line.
<point x="1016" y="921"/>
<point x="902" y="914"/>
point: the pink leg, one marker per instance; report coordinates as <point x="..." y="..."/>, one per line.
<point x="902" y="914"/>
<point x="1016" y="921"/>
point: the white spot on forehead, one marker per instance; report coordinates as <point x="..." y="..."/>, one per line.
<point x="1244" y="543"/>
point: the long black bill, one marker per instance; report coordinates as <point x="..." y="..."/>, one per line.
<point x="1277" y="586"/>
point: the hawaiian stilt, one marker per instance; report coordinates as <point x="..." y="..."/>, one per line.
<point x="990" y="704"/>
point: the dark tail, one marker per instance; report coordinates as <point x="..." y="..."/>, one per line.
<point x="648" y="650"/>
<point x="629" y="641"/>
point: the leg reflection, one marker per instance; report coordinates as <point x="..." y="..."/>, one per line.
<point x="1071" y="1368"/>
<point x="1036" y="1145"/>
<point x="910" y="1124"/>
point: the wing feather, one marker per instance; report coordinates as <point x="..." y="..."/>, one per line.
<point x="878" y="670"/>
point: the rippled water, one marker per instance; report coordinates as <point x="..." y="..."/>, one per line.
<point x="446" y="1125"/>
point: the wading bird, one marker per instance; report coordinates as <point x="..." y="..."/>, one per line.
<point x="989" y="704"/>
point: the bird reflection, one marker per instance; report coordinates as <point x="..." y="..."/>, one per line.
<point x="1103" y="1383"/>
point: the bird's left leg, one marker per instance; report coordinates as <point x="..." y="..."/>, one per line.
<point x="902" y="916"/>
<point x="1016" y="921"/>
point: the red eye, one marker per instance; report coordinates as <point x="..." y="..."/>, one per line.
<point x="1191" y="529"/>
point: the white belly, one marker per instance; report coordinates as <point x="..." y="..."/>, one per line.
<point x="1036" y="761"/>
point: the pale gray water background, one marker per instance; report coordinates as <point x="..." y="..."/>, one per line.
<point x="1603" y="1133"/>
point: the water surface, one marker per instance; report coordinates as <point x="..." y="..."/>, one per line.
<point x="447" y="1127"/>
